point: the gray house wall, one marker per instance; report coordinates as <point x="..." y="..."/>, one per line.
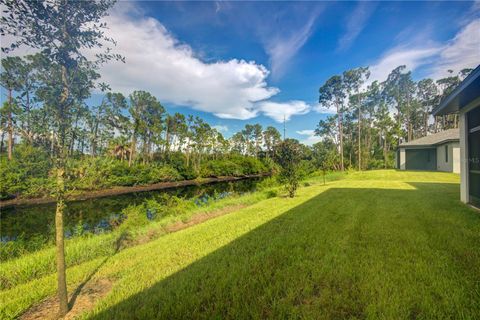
<point x="430" y="158"/>
<point x="452" y="162"/>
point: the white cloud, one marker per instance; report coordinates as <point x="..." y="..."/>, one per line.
<point x="311" y="137"/>
<point x="282" y="47"/>
<point x="283" y="110"/>
<point x="306" y="132"/>
<point x="463" y="51"/>
<point x="356" y="23"/>
<point x="323" y="109"/>
<point x="220" y="128"/>
<point x="157" y="62"/>
<point x="410" y="57"/>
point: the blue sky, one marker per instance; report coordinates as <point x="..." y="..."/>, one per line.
<point x="254" y="62"/>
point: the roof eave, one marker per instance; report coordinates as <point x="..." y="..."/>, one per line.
<point x="431" y="145"/>
<point x="452" y="102"/>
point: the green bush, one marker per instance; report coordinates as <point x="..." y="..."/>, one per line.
<point x="163" y="174"/>
<point x="29" y="174"/>
<point x="215" y="168"/>
<point x="97" y="173"/>
<point x="26" y="173"/>
<point x="271" y="194"/>
<point x="268" y="183"/>
<point x="179" y="162"/>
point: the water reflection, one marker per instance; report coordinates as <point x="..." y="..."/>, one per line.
<point x="103" y="214"/>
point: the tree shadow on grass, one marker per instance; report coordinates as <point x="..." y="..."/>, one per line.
<point x="118" y="246"/>
<point x="344" y="254"/>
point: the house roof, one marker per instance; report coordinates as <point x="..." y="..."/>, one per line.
<point x="467" y="91"/>
<point x="434" y="139"/>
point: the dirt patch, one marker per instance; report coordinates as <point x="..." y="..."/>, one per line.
<point x="82" y="301"/>
<point x="199" y="218"/>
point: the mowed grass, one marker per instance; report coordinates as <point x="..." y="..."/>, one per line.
<point x="378" y="245"/>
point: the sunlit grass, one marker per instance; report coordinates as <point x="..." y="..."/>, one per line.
<point x="380" y="244"/>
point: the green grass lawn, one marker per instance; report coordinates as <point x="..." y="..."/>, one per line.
<point x="376" y="245"/>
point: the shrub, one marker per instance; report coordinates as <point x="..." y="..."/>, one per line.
<point x="215" y="168"/>
<point x="288" y="158"/>
<point x="163" y="174"/>
<point x="271" y="194"/>
<point x="178" y="161"/>
<point x="28" y="163"/>
<point x="267" y="183"/>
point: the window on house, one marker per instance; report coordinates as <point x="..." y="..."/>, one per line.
<point x="446" y="153"/>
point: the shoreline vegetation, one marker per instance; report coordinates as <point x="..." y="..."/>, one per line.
<point x="119" y="190"/>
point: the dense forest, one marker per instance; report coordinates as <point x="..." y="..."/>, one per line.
<point x="125" y="141"/>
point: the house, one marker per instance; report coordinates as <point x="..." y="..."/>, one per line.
<point x="465" y="100"/>
<point x="436" y="152"/>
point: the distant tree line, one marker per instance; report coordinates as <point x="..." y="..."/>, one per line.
<point x="371" y="120"/>
<point x="134" y="128"/>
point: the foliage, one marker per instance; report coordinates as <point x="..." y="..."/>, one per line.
<point x="288" y="157"/>
<point x="27" y="173"/>
<point x="99" y="173"/>
<point x="369" y="125"/>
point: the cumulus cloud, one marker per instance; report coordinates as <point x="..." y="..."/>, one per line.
<point x="310" y="139"/>
<point x="283" y="110"/>
<point x="157" y="62"/>
<point x="356" y="23"/>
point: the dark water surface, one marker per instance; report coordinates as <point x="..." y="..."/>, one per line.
<point x="30" y="221"/>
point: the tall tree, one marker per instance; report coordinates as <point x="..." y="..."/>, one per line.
<point x="61" y="30"/>
<point x="11" y="80"/>
<point x="332" y="94"/>
<point x="353" y="79"/>
<point x="427" y="93"/>
<point x="257" y="137"/>
<point x="271" y="138"/>
<point x="399" y="89"/>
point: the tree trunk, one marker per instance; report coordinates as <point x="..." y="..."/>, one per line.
<point x="167" y="142"/>
<point x="10" y="125"/>
<point x="359" y="140"/>
<point x="1" y="142"/>
<point x="385" y="151"/>
<point x="425" y="130"/>
<point x="94" y="139"/>
<point x="27" y="107"/>
<point x="59" y="232"/>
<point x="60" y="244"/>
<point x="340" y="136"/>
<point x="132" y="149"/>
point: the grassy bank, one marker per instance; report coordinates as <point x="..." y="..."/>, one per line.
<point x="381" y="244"/>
